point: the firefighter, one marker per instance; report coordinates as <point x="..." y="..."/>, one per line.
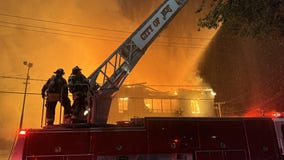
<point x="78" y="85"/>
<point x="55" y="89"/>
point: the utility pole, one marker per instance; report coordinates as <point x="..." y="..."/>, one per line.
<point x="29" y="66"/>
<point x="218" y="104"/>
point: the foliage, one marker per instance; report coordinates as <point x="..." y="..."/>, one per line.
<point x="244" y="17"/>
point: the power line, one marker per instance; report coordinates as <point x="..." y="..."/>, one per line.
<point x="179" y="46"/>
<point x="11" y="77"/>
<point x="84" y="35"/>
<point x="62" y="23"/>
<point x="150" y="85"/>
<point x="98" y="28"/>
<point x="56" y="33"/>
<point x="146" y="97"/>
<point x="88" y="35"/>
<point x="52" y="29"/>
<point x="11" y="92"/>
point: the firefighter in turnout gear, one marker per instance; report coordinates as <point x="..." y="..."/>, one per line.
<point x="78" y="85"/>
<point x="54" y="90"/>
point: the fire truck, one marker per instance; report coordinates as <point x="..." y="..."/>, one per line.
<point x="148" y="138"/>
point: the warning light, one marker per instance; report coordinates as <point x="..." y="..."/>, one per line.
<point x="278" y="114"/>
<point x="22" y="132"/>
<point x="176" y="140"/>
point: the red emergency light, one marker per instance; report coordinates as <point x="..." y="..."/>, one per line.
<point x="22" y="132"/>
<point x="278" y="114"/>
<point x="176" y="140"/>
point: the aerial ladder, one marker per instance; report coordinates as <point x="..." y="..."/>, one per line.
<point x="110" y="75"/>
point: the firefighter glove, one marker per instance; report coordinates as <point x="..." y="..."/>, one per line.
<point x="43" y="95"/>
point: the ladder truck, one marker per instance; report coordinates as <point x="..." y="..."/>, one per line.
<point x="149" y="138"/>
<point x="109" y="76"/>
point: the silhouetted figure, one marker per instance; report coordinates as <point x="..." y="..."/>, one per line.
<point x="78" y="85"/>
<point x="55" y="89"/>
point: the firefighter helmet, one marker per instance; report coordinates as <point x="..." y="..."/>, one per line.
<point x="59" y="71"/>
<point x="76" y="69"/>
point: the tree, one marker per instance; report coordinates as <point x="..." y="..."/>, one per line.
<point x="244" y="17"/>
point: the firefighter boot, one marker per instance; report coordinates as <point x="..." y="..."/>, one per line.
<point x="74" y="119"/>
<point x="49" y="121"/>
<point x="67" y="119"/>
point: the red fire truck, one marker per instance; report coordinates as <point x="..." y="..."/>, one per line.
<point x="149" y="138"/>
<point x="157" y="138"/>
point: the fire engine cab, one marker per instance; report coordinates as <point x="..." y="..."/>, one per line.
<point x="149" y="138"/>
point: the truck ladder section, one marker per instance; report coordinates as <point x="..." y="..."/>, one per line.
<point x="110" y="75"/>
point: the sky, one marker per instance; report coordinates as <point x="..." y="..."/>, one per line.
<point x="62" y="34"/>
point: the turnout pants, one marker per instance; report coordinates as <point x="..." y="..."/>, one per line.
<point x="51" y="105"/>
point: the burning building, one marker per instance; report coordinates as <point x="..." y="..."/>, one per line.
<point x="143" y="101"/>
